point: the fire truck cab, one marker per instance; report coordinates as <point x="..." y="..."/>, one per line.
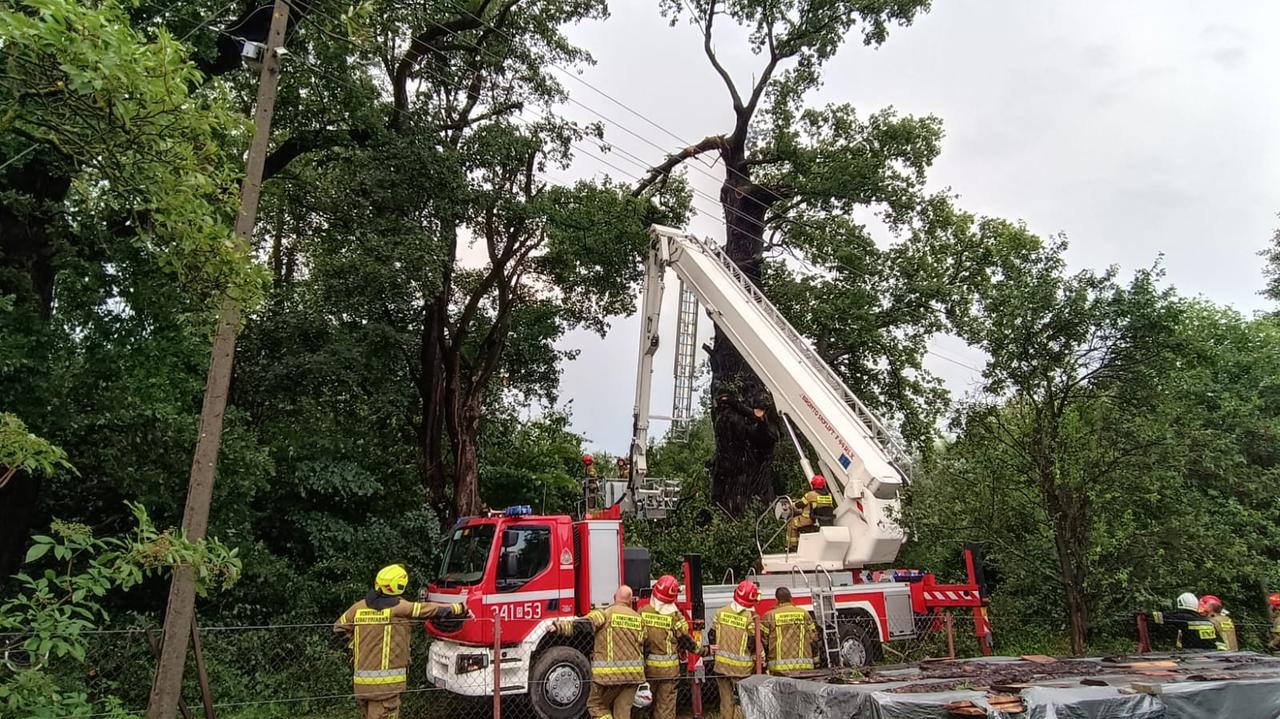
<point x="518" y="572"/>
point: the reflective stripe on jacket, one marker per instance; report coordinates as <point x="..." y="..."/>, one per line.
<point x="788" y="633"/>
<point x="380" y="641"/>
<point x="663" y="636"/>
<point x="734" y="635"/>
<point x="1226" y="632"/>
<point x="618" y="655"/>
<point x="824" y="507"/>
<point x="1194" y="631"/>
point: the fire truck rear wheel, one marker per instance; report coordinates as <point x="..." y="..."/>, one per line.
<point x="859" y="646"/>
<point x="559" y="682"/>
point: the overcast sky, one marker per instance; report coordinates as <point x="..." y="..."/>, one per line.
<point x="1137" y="128"/>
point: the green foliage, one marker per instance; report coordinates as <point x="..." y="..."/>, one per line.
<point x="23" y="451"/>
<point x="538" y="463"/>
<point x="53" y="610"/>
<point x="1115" y="458"/>
<point x="147" y="155"/>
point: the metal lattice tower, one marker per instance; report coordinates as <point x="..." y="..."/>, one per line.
<point x="686" y="358"/>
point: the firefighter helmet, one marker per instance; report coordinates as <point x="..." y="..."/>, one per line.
<point x="666" y="589"/>
<point x="818" y="482"/>
<point x="1187" y="600"/>
<point x="1274" y="600"/>
<point x="392" y="580"/>
<point x="1209" y="603"/>
<point x="746" y="594"/>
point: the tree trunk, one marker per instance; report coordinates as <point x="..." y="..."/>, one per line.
<point x="743" y="416"/>
<point x="466" y="462"/>
<point x="30" y="224"/>
<point x="431" y="395"/>
<point x="1070" y="541"/>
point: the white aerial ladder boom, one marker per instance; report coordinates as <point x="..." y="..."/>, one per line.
<point x="857" y="452"/>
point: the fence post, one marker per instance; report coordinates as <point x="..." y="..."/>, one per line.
<point x="951" y="638"/>
<point x="1144" y="640"/>
<point x="497" y="667"/>
<point x="197" y="647"/>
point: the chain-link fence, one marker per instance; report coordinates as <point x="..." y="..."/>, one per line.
<point x="306" y="670"/>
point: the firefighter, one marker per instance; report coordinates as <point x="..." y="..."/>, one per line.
<point x="378" y="628"/>
<point x="1194" y="631"/>
<point x="788" y="634"/>
<point x="1273" y="608"/>
<point x="733" y="644"/>
<point x="666" y="633"/>
<point x="816" y="508"/>
<point x="1211" y="608"/>
<point x="617" y="662"/>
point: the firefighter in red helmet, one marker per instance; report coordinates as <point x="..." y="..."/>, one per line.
<point x="733" y="644"/>
<point x="815" y="509"/>
<point x="1211" y="608"/>
<point x="666" y="634"/>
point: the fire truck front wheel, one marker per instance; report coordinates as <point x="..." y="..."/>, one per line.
<point x="859" y="645"/>
<point x="559" y="682"/>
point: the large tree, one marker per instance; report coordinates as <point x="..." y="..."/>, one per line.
<point x="116" y="193"/>
<point x="1116" y="453"/>
<point x="805" y="185"/>
<point x="426" y="214"/>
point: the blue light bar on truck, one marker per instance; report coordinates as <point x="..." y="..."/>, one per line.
<point x="520" y="510"/>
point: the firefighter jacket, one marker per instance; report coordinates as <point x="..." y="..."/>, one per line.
<point x="1226" y="631"/>
<point x="379" y="627"/>
<point x="1273" y="641"/>
<point x="733" y="631"/>
<point x="664" y="636"/>
<point x="618" y="657"/>
<point x="1194" y="631"/>
<point x="788" y="633"/>
<point x="823" y="507"/>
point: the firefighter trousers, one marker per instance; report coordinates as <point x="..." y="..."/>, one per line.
<point x="797" y="526"/>
<point x="664" y="698"/>
<point x="728" y="687"/>
<point x="611" y="702"/>
<point x="381" y="707"/>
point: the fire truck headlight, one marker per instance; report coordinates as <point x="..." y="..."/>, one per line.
<point x="472" y="663"/>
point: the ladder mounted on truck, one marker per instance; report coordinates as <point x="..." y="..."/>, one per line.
<point x="857" y="450"/>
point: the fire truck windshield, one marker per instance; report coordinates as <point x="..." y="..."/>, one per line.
<point x="466" y="555"/>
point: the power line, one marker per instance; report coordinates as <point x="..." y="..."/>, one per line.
<point x="439" y="74"/>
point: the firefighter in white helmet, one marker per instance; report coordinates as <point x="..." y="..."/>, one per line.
<point x="379" y="628"/>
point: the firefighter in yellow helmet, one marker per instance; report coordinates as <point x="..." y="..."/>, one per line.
<point x="816" y="508"/>
<point x="666" y="634"/>
<point x="617" y="661"/>
<point x="379" y="628"/>
<point x="733" y="644"/>
<point x="788" y="635"/>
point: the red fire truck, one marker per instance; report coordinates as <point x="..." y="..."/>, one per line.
<point x="527" y="570"/>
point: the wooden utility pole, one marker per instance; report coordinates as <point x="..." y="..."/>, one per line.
<point x="180" y="611"/>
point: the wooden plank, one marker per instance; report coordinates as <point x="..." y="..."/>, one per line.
<point x="1039" y="659"/>
<point x="1166" y="664"/>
